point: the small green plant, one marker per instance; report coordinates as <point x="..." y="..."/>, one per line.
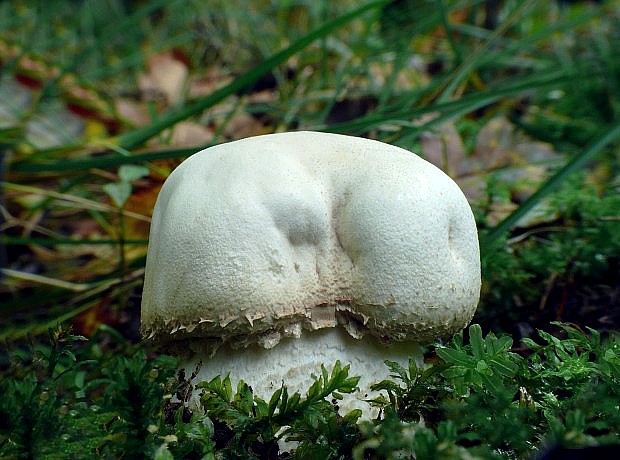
<point x="32" y="400"/>
<point x="254" y="426"/>
<point x="82" y="403"/>
<point x="476" y="398"/>
<point x="120" y="192"/>
<point x="543" y="271"/>
<point x="499" y="404"/>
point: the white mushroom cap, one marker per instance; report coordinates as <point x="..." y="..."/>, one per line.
<point x="279" y="235"/>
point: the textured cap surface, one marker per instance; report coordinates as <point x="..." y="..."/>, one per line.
<point x="270" y="236"/>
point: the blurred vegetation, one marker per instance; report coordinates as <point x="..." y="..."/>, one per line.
<point x="100" y="100"/>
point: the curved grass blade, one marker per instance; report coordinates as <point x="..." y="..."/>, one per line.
<point x="104" y="161"/>
<point x="16" y="240"/>
<point x="465" y="104"/>
<point x="467" y="65"/>
<point x="609" y="135"/>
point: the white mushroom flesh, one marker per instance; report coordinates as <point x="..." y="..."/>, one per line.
<point x="282" y="235"/>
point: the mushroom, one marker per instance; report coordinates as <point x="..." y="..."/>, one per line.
<point x="272" y="255"/>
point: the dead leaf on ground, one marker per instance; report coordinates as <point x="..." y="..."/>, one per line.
<point x="165" y="78"/>
<point x="188" y="134"/>
<point x="444" y="148"/>
<point x="519" y="163"/>
<point x="214" y="79"/>
<point x="132" y="111"/>
<point x="244" y="125"/>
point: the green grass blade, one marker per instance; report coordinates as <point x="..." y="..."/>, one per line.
<point x="134" y="139"/>
<point x="473" y="101"/>
<point x="17" y="240"/>
<point x="577" y="162"/>
<point x="466" y="66"/>
<point x="104" y="161"/>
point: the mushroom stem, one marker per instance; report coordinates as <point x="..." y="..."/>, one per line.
<point x="293" y="362"/>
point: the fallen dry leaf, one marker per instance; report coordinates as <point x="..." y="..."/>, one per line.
<point x="188" y="134"/>
<point x="519" y="163"/>
<point x="166" y="78"/>
<point x="243" y="125"/>
<point x="213" y="79"/>
<point x="132" y="111"/>
<point x="87" y="322"/>
<point x="444" y="148"/>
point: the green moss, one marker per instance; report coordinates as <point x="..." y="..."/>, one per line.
<point x="478" y="399"/>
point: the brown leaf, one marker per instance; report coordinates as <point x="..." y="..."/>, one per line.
<point x="444" y="148"/>
<point x="132" y="111"/>
<point x="214" y="79"/>
<point x="86" y="323"/>
<point x="166" y="78"/>
<point x="187" y="133"/>
<point x="243" y="125"/>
